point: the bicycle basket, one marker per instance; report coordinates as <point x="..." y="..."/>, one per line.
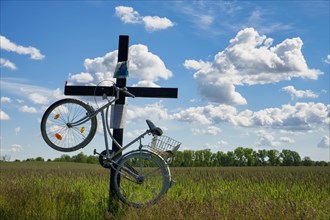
<point x="164" y="146"/>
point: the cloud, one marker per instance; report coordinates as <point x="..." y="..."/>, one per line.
<point x="222" y="142"/>
<point x="38" y="98"/>
<point x="324" y="142"/>
<point x="287" y="140"/>
<point x="249" y="59"/>
<point x="82" y="78"/>
<point x="146" y="83"/>
<point x="144" y="66"/>
<point x="5" y="99"/>
<point x="299" y="93"/>
<point x="28" y="109"/>
<point x="155" y="23"/>
<point x="298" y="117"/>
<point x="4" y="116"/>
<point x="198" y="15"/>
<point x="128" y="15"/>
<point x="258" y="19"/>
<point x="151" y="23"/>
<point x="265" y="139"/>
<point x="36" y="94"/>
<point x="14" y="148"/>
<point x="6" y="44"/>
<point x="210" y="130"/>
<point x="7" y="64"/>
<point x="327" y="59"/>
<point x="154" y="111"/>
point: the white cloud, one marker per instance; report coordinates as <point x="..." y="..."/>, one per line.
<point x="5" y="99"/>
<point x="222" y="142"/>
<point x="327" y="59"/>
<point x="4" y="116"/>
<point x="258" y="19"/>
<point x="14" y="148"/>
<point x="28" y="109"/>
<point x="154" y="111"/>
<point x="151" y="23"/>
<point x="198" y="15"/>
<point x="298" y="117"/>
<point x="145" y="83"/>
<point x="82" y="78"/>
<point x="287" y="140"/>
<point x="36" y="94"/>
<point x="210" y="130"/>
<point x="128" y="15"/>
<point x="155" y="23"/>
<point x="7" y="45"/>
<point x="38" y="98"/>
<point x="249" y="60"/>
<point x="324" y="142"/>
<point x="299" y="93"/>
<point x="144" y="66"/>
<point x="7" y="64"/>
<point x="198" y="115"/>
<point x="265" y="139"/>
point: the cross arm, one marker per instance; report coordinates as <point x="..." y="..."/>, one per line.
<point x="146" y="92"/>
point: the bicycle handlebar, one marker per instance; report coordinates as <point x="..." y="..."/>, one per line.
<point x="126" y="92"/>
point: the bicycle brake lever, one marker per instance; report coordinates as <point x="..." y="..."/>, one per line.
<point x="104" y="96"/>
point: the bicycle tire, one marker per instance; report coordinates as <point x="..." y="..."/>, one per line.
<point x="56" y="132"/>
<point x="151" y="181"/>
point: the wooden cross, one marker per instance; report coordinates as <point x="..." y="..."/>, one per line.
<point x="145" y="92"/>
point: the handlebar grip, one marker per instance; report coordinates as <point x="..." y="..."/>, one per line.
<point x="126" y="92"/>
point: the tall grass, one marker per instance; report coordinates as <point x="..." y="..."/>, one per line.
<point x="80" y="191"/>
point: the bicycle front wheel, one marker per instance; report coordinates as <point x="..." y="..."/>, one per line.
<point x="141" y="178"/>
<point x="58" y="128"/>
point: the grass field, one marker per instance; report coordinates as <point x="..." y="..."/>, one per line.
<point x="50" y="190"/>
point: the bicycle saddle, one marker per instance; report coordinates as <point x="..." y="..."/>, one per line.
<point x="153" y="129"/>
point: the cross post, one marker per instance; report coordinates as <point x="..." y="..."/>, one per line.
<point x="145" y="92"/>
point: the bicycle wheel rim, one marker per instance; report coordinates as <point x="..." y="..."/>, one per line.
<point x="55" y="130"/>
<point x="153" y="174"/>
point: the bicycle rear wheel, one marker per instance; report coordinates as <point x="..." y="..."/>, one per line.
<point x="56" y="127"/>
<point x="141" y="178"/>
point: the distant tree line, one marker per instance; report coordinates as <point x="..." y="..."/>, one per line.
<point x="205" y="158"/>
<point x="242" y="157"/>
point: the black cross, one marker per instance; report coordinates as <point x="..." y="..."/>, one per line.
<point x="145" y="92"/>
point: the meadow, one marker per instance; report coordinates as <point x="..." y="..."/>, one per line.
<point x="58" y="190"/>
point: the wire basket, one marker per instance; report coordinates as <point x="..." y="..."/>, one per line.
<point x="164" y="146"/>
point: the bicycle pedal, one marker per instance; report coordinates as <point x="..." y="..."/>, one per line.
<point x="96" y="152"/>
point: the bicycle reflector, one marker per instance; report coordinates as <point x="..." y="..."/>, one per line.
<point x="82" y="130"/>
<point x="58" y="136"/>
<point x="56" y="116"/>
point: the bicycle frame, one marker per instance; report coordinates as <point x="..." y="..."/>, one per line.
<point x="104" y="110"/>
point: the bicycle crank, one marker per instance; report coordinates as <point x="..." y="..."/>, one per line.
<point x="103" y="160"/>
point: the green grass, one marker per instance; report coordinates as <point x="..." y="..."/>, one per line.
<point x="49" y="190"/>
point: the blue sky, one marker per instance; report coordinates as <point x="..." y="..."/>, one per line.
<point x="250" y="74"/>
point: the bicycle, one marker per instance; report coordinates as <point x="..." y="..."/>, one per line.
<point x="142" y="176"/>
